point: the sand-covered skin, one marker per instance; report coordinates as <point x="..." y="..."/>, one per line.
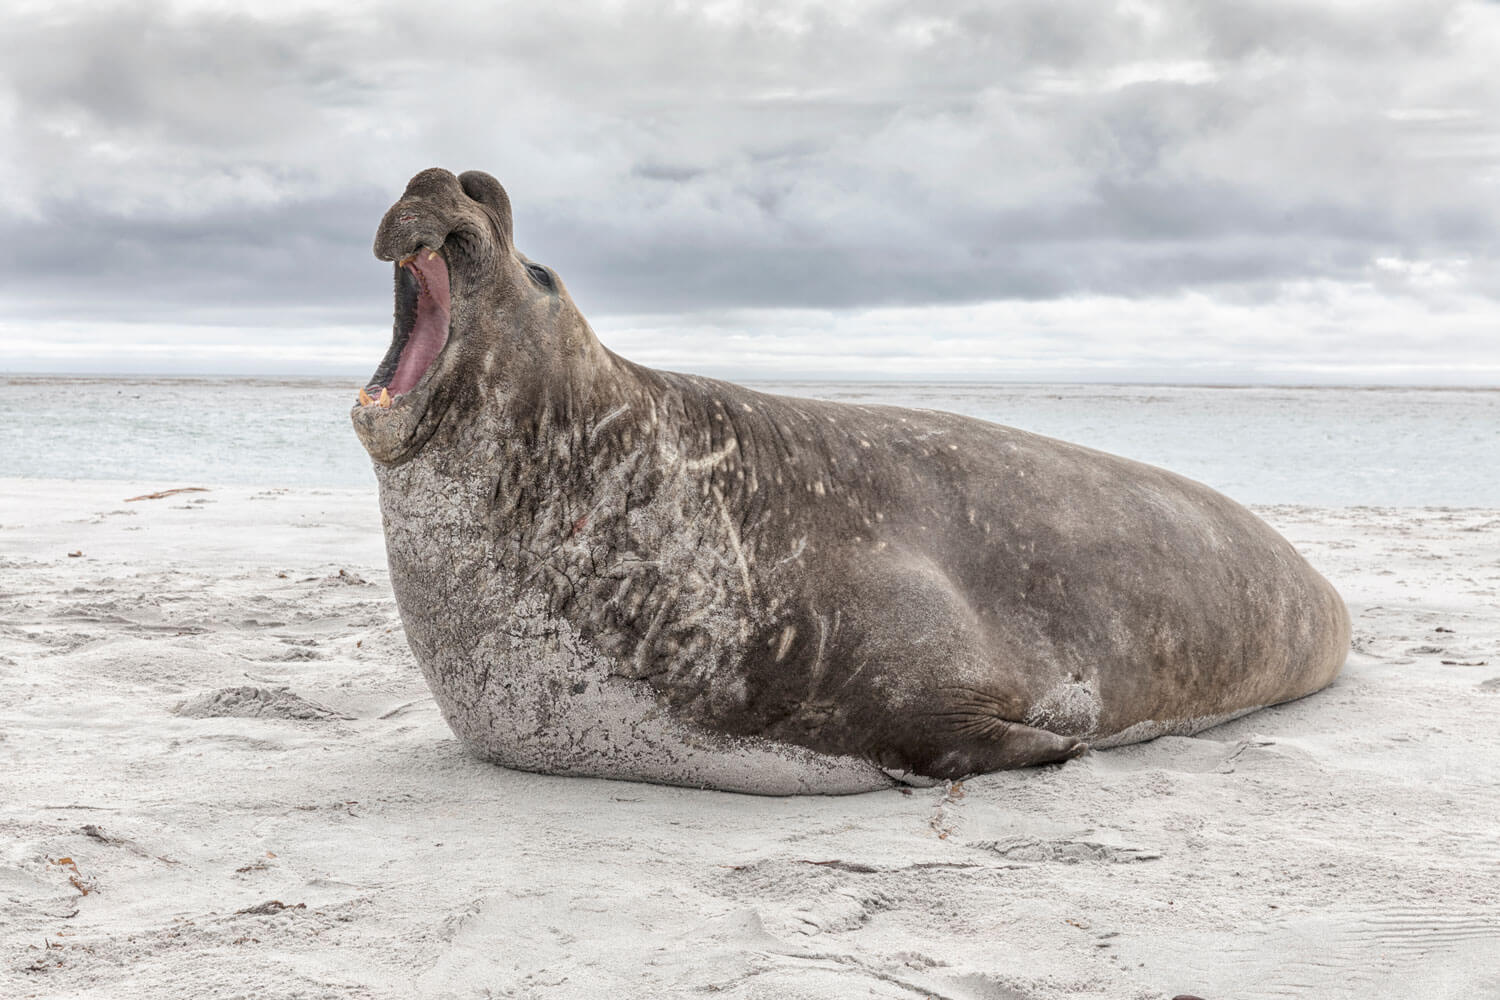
<point x="212" y="713"/>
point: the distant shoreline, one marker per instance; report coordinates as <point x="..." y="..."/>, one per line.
<point x="1327" y="446"/>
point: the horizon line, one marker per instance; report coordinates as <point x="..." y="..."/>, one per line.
<point x="808" y="379"/>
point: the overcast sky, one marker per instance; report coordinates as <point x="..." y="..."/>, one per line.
<point x="1048" y="189"/>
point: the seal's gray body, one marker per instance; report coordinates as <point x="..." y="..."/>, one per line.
<point x="608" y="570"/>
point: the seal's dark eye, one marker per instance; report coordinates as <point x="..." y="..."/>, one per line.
<point x="541" y="275"/>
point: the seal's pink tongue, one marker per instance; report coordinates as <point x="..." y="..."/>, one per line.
<point x="430" y="331"/>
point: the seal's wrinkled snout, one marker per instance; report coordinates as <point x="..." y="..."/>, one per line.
<point x="470" y="213"/>
<point x="423" y="217"/>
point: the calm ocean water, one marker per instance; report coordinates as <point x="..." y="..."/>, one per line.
<point x="1333" y="446"/>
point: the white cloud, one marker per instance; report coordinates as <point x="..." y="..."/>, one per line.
<point x="845" y="167"/>
<point x="1316" y="332"/>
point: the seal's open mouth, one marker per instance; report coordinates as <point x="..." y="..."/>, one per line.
<point x="423" y="315"/>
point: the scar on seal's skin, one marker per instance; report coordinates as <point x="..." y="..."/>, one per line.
<point x="609" y="570"/>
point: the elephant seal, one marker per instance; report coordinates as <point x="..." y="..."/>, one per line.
<point x="613" y="571"/>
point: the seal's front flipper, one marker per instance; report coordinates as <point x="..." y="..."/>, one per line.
<point x="1002" y="746"/>
<point x="1027" y="746"/>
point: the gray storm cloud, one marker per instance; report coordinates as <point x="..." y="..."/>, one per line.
<point x="192" y="163"/>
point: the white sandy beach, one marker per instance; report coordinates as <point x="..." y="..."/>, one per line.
<point x="166" y="835"/>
